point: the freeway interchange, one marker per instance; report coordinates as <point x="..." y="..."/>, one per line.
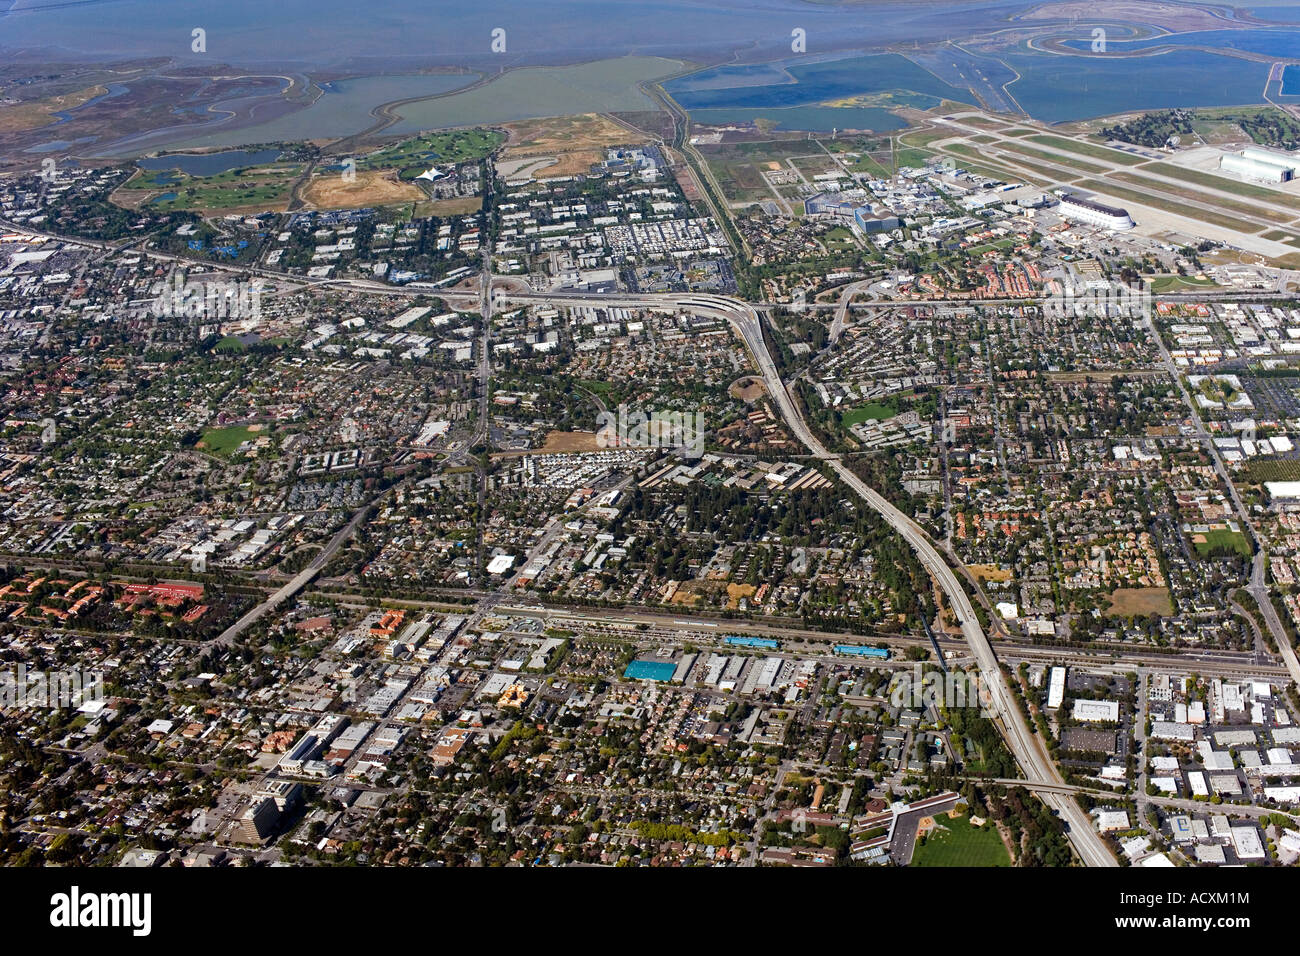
<point x="1036" y="765"/>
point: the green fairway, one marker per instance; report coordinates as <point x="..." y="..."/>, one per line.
<point x="415" y="155"/>
<point x="267" y="185"/>
<point x="961" y="844"/>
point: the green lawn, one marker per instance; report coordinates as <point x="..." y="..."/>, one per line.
<point x="839" y="238"/>
<point x="913" y="156"/>
<point x="1174" y="283"/>
<point x="224" y="441"/>
<point x="1002" y="244"/>
<point x="873" y="411"/>
<point x="1223" y="539"/>
<point x="866" y="163"/>
<point x="962" y="845"/>
<point x="603" y="390"/>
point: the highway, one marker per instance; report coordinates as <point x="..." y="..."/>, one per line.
<point x="842" y="307"/>
<point x="1025" y="746"/>
<point x="470" y="297"/>
<point x="744" y="318"/>
<point x="299" y="581"/>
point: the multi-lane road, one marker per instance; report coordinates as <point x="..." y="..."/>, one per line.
<point x="847" y="295"/>
<point x="744" y="318"/>
<point x="1024" y="745"/>
<point x="1028" y="749"/>
<point x="294" y="585"/>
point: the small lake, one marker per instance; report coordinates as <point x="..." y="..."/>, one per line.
<point x="210" y="164"/>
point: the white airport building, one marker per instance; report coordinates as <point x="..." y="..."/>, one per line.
<point x="1094" y="213"/>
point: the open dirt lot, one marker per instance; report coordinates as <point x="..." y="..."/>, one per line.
<point x="462" y="206"/>
<point x="561" y="134"/>
<point x="737" y="591"/>
<point x="557" y="443"/>
<point x="572" y="164"/>
<point x="574" y="142"/>
<point x="570" y="441"/>
<point x="1126" y="601"/>
<point x="747" y="389"/>
<point x="524" y="166"/>
<point x="370" y="188"/>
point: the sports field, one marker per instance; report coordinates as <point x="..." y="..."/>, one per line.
<point x="961" y="844"/>
<point x="224" y="441"/>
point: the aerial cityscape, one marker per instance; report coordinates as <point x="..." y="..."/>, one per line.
<point x="650" y="434"/>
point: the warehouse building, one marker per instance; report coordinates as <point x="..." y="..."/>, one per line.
<point x="1096" y="711"/>
<point x="1260" y="164"/>
<point x="1056" y="688"/>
